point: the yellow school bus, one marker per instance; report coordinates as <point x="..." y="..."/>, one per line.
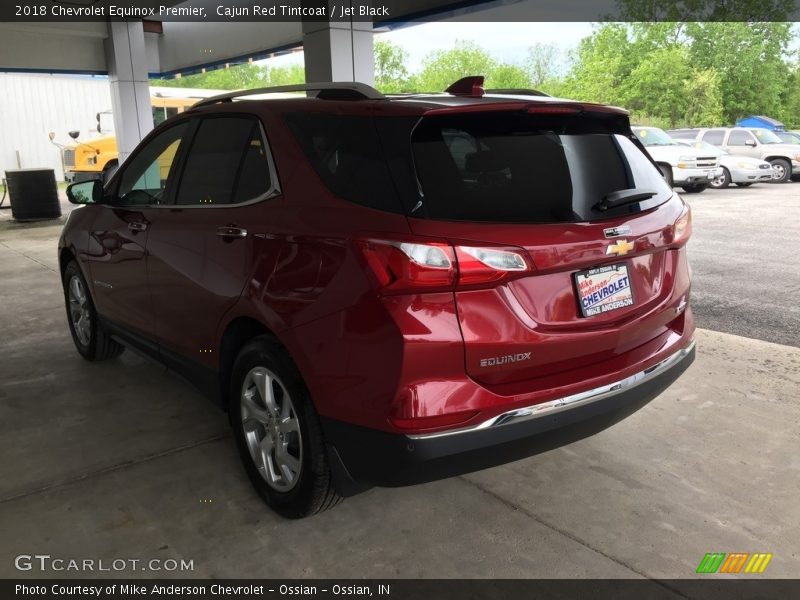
<point x="90" y="159"/>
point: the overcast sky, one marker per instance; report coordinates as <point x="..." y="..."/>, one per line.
<point x="508" y="42"/>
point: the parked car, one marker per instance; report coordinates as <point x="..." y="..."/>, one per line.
<point x="389" y="290"/>
<point x="681" y="166"/>
<point x="741" y="170"/>
<point x="755" y="142"/>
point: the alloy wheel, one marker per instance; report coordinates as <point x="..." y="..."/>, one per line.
<point x="271" y="429"/>
<point x="79" y="310"/>
<point x="778" y="172"/>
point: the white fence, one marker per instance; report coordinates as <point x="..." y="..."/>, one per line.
<point x="33" y="105"/>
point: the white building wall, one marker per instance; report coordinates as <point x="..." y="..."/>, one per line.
<point x="33" y="105"/>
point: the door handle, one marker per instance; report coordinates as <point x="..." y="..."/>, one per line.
<point x="137" y="226"/>
<point x="232" y="232"/>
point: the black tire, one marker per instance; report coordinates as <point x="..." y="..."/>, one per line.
<point x="94" y="344"/>
<point x="666" y="171"/>
<point x="745" y="184"/>
<point x="722" y="181"/>
<point x="785" y="165"/>
<point x="313" y="491"/>
<point x="695" y="188"/>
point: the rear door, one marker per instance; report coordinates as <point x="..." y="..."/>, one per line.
<point x="600" y="280"/>
<point x="200" y="248"/>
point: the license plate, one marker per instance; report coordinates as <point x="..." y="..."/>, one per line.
<point x="603" y="289"/>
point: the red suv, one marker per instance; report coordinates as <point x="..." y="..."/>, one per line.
<point x="389" y="290"/>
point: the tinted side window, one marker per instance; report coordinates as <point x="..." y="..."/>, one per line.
<point x="715" y="138"/>
<point x="738" y="138"/>
<point x="226" y="163"/>
<point x="346" y="154"/>
<point x="144" y="178"/>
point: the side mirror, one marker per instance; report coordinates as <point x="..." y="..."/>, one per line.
<point x="74" y="134"/>
<point x="751" y="143"/>
<point x="85" y="192"/>
<point x="51" y="135"/>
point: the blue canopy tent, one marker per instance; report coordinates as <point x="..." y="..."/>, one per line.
<point x="761" y="121"/>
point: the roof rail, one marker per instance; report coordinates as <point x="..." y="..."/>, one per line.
<point x="516" y="92"/>
<point x="353" y="89"/>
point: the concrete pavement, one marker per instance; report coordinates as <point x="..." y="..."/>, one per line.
<point x="744" y="256"/>
<point x="122" y="460"/>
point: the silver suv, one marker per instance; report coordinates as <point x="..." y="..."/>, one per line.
<point x="750" y="141"/>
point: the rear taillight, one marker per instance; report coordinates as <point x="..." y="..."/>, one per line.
<point x="682" y="229"/>
<point x="405" y="266"/>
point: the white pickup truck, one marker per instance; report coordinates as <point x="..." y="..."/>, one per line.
<point x="688" y="168"/>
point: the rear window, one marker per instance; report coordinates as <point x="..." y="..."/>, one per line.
<point x="518" y="168"/>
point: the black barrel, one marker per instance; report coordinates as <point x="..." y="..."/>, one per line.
<point x="33" y="194"/>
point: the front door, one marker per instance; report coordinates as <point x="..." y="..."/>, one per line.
<point x="119" y="236"/>
<point x="743" y="143"/>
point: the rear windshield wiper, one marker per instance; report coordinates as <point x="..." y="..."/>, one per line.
<point x="622" y="197"/>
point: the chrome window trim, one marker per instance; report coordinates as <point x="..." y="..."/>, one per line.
<point x="273" y="192"/>
<point x="568" y="402"/>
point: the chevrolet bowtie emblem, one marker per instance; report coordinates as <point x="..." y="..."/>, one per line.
<point x="620" y="248"/>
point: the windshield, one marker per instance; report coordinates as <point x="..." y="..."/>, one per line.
<point x="706" y="147"/>
<point x="789" y="138"/>
<point x="651" y="136"/>
<point x="765" y="136"/>
<point x="519" y="169"/>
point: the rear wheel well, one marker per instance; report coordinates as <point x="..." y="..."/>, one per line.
<point x="238" y="332"/>
<point x="769" y="158"/>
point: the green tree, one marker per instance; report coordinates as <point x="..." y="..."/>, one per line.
<point x="703" y="99"/>
<point x="443" y="67"/>
<point x="702" y="10"/>
<point x="790" y="113"/>
<point x="234" y="78"/>
<point x="751" y="61"/>
<point x="391" y="75"/>
<point x="288" y="75"/>
<point x="505" y="76"/>
<point x="542" y="63"/>
<point x="238" y="77"/>
<point x="657" y="85"/>
<point x="602" y="62"/>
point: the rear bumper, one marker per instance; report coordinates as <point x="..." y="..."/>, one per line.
<point x="750" y="175"/>
<point x="361" y="457"/>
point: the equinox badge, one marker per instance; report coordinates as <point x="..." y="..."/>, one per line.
<point x="620" y="248"/>
<point x="503" y="360"/>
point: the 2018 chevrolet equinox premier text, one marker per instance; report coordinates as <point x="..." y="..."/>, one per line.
<point x="389" y="290"/>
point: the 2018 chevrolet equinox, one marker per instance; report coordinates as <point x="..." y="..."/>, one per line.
<point x="389" y="290"/>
